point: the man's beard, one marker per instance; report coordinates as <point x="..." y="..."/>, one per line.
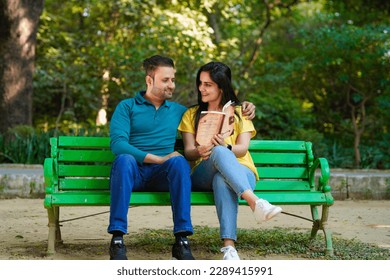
<point x="168" y="94"/>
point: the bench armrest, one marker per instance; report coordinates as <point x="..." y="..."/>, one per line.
<point x="323" y="179"/>
<point x="50" y="175"/>
<point x="48" y="171"/>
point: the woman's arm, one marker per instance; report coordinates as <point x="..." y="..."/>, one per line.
<point x="241" y="146"/>
<point x="193" y="152"/>
<point x="190" y="151"/>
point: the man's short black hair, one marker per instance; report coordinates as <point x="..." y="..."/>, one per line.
<point x="150" y="64"/>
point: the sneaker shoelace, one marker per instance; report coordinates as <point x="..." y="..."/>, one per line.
<point x="263" y="203"/>
<point x="229" y="250"/>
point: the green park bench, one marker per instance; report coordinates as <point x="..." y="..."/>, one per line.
<point x="77" y="174"/>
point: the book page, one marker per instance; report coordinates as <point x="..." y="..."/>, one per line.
<point x="209" y="125"/>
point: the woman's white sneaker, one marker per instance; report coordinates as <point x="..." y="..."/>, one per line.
<point x="230" y="253"/>
<point x="265" y="211"/>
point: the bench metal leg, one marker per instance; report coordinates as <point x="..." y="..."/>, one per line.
<point x="323" y="225"/>
<point x="316" y="223"/>
<point x="327" y="232"/>
<point x="54" y="229"/>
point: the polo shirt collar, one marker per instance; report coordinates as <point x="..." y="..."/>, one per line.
<point x="140" y="99"/>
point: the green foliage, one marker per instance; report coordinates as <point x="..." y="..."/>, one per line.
<point x="279" y="114"/>
<point x="377" y="157"/>
<point x="26" y="145"/>
<point x="336" y="75"/>
<point x="308" y="67"/>
<point x="22" y="144"/>
<point x="340" y="71"/>
<point x="93" y="51"/>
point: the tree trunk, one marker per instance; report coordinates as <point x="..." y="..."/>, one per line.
<point x="359" y="120"/>
<point x="356" y="149"/>
<point x="18" y="29"/>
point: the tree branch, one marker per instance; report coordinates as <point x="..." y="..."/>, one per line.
<point x="62" y="108"/>
<point x="266" y="24"/>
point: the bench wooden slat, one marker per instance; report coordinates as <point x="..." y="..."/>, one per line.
<point x="103" y="198"/>
<point x="262" y="185"/>
<point x="197" y="198"/>
<point x="282" y="172"/>
<point x="84" y="184"/>
<point x="294" y="198"/>
<point x="280" y="145"/>
<point x="279" y="158"/>
<point x="282" y="185"/>
<point x="85" y="156"/>
<point x="84" y="142"/>
<point x="72" y="170"/>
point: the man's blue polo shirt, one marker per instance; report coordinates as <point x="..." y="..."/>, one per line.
<point x="137" y="128"/>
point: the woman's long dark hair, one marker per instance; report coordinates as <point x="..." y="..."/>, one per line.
<point x="221" y="75"/>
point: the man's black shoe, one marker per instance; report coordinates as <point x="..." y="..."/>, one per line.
<point x="117" y="249"/>
<point x="181" y="249"/>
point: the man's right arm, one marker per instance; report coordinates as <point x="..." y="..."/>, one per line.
<point x="120" y="130"/>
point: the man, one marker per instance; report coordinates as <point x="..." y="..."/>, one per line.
<point x="143" y="132"/>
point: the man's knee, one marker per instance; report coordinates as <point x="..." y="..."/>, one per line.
<point x="179" y="164"/>
<point x="124" y="158"/>
<point x="124" y="162"/>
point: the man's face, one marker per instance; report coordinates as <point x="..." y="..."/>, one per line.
<point x="163" y="82"/>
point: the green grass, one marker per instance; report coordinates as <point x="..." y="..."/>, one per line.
<point x="260" y="244"/>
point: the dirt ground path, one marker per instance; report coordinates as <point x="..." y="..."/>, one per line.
<point x="23" y="227"/>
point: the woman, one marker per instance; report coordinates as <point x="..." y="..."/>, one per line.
<point x="225" y="166"/>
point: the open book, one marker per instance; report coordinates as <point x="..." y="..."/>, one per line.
<point x="215" y="122"/>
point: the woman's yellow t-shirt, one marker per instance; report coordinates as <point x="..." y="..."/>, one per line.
<point x="241" y="125"/>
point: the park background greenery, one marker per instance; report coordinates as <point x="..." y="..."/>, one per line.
<point x="316" y="70"/>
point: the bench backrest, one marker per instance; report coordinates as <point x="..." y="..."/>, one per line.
<point x="282" y="165"/>
<point x="84" y="163"/>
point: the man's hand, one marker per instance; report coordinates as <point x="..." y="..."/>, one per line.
<point x="171" y="155"/>
<point x="150" y="158"/>
<point x="248" y="110"/>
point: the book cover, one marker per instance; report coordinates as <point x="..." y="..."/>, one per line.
<point x="215" y="122"/>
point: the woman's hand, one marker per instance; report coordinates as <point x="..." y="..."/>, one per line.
<point x="218" y="140"/>
<point x="205" y="151"/>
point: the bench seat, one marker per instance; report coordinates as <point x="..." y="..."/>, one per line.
<point x="77" y="174"/>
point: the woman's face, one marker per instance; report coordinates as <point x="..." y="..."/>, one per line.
<point x="209" y="90"/>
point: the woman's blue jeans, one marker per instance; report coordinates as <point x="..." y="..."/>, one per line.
<point x="228" y="179"/>
<point x="128" y="176"/>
